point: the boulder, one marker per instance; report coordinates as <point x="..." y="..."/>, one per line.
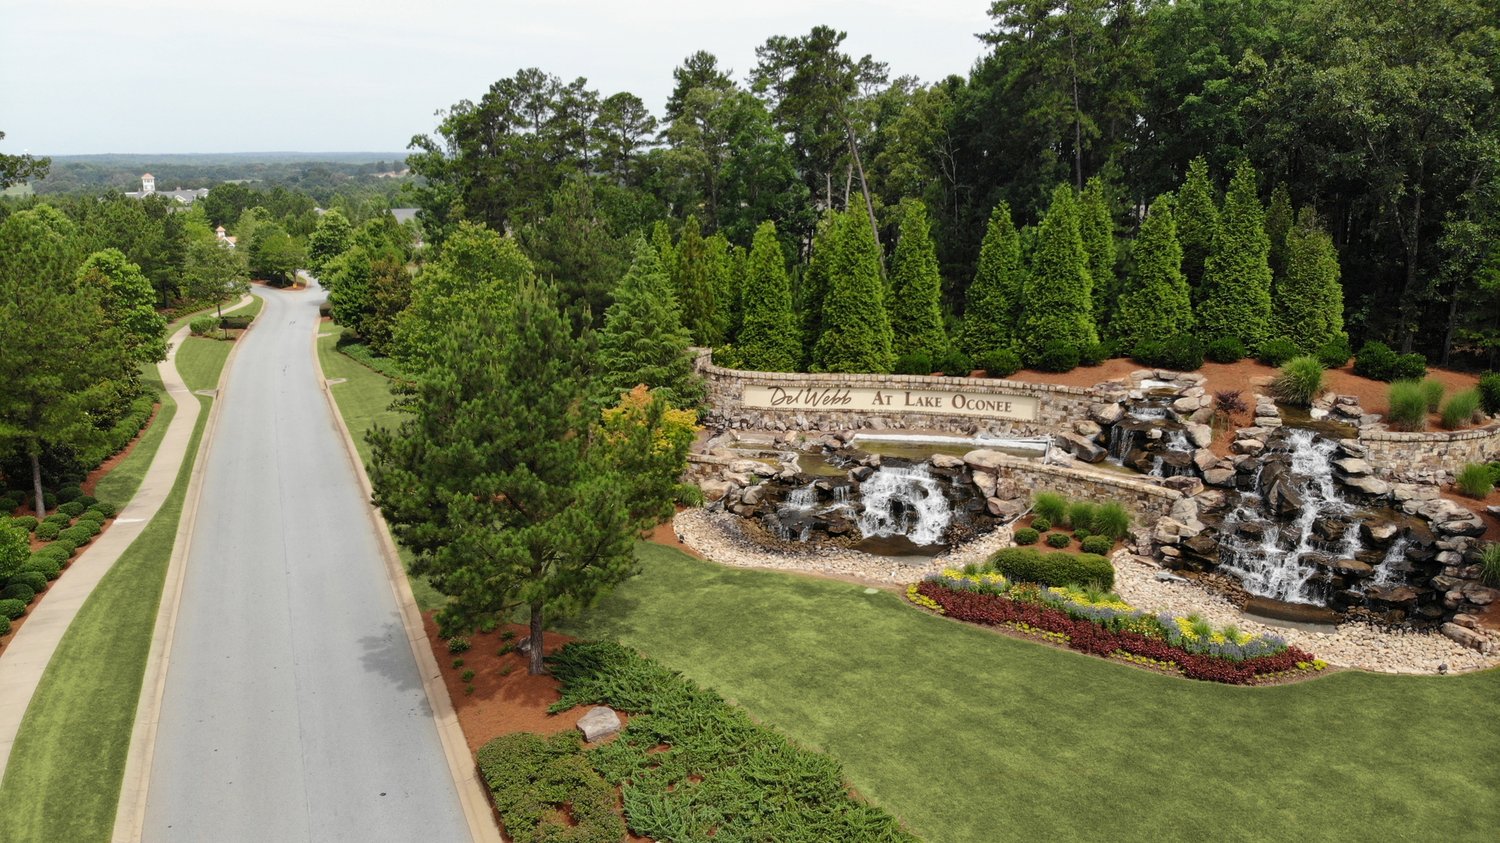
<point x="1219" y="477"/>
<point x="1351" y="466"/>
<point x="754" y="494"/>
<point x="1392" y="596"/>
<point x="599" y="723"/>
<point x="985" y="459"/>
<point x="1057" y="456"/>
<point x="1082" y="447"/>
<point x="1005" y="509"/>
<point x="1168" y="531"/>
<point x="1007" y="489"/>
<point x="1107" y="414"/>
<point x="985" y="482"/>
<point x="1185" y="404"/>
<point x="1372" y="486"/>
<point x="860" y="474"/>
<point x="1247" y="447"/>
<point x="1479" y="595"/>
<point x="714" y="490"/>
<point x="947" y="461"/>
<point x="1200" y="434"/>
<point x="1187" y="484"/>
<point x="1205" y="459"/>
<point x="1466" y="637"/>
<point x="1086" y="427"/>
<point x="1202" y="547"/>
<point x="1379" y="534"/>
<point x="1352" y="568"/>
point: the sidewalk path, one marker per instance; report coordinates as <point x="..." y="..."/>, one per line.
<point x="25" y="658"/>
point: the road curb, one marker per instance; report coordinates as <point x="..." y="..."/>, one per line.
<point x="473" y="795"/>
<point x="130" y="813"/>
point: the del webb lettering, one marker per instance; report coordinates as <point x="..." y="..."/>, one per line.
<point x="866" y="398"/>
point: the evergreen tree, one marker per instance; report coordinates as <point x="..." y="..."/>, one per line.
<point x="916" y="287"/>
<point x="768" y="340"/>
<point x="812" y="287"/>
<point x="1154" y="303"/>
<point x="1197" y="217"/>
<point x="725" y="275"/>
<point x="129" y="303"/>
<point x="333" y="235"/>
<point x="693" y="282"/>
<point x="856" y="328"/>
<point x="643" y="340"/>
<point x="1308" y="303"/>
<point x="496" y="479"/>
<point x="661" y="239"/>
<point x="1278" y="226"/>
<point x="1057" y="305"/>
<point x="994" y="298"/>
<point x="1096" y="226"/>
<point x="1237" y="276"/>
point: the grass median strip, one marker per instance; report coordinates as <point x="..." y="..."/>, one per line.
<point x="122" y="481"/>
<point x="973" y="736"/>
<point x="63" y="779"/>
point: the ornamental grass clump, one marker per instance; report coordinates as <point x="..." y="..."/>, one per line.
<point x="1490" y="565"/>
<point x="1112" y="520"/>
<point x="1081" y="516"/>
<point x="1300" y="381"/>
<point x="1434" y="390"/>
<point x="1408" y="406"/>
<point x="1461" y="409"/>
<point x="1475" y="480"/>
<point x="1051" y="506"/>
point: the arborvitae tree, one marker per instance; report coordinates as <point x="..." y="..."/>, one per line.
<point x="856" y="329"/>
<point x="725" y="287"/>
<point x="496" y="478"/>
<point x="1197" y="217"/>
<point x="1154" y="302"/>
<point x="1308" y="302"/>
<point x="916" y="287"/>
<point x="661" y="239"/>
<point x="812" y="288"/>
<point x="691" y="279"/>
<point x="1056" y="305"/>
<point x="643" y="341"/>
<point x="129" y="301"/>
<point x="1237" y="277"/>
<point x="333" y="235"/>
<point x="768" y="340"/>
<point x="1096" y="226"/>
<point x="1278" y="225"/>
<point x="994" y="299"/>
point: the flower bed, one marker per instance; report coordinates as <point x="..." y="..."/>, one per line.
<point x="1106" y="626"/>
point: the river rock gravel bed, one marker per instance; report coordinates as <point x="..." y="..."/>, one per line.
<point x="1355" y="645"/>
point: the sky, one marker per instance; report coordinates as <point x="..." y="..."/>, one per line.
<point x="159" y="76"/>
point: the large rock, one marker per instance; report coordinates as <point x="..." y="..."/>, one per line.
<point x="1005" y="509"/>
<point x="1373" y="486"/>
<point x="1007" y="489"/>
<point x="1219" y="477"/>
<point x="715" y="490"/>
<point x="1467" y="637"/>
<point x="599" y="723"/>
<point x="754" y="494"/>
<point x="1248" y="447"/>
<point x="1187" y="484"/>
<point x="1086" y="427"/>
<point x="1107" y="414"/>
<point x="985" y="459"/>
<point x="1201" y="434"/>
<point x="1352" y="568"/>
<point x="947" y="461"/>
<point x="1205" y="459"/>
<point x="1351" y="465"/>
<point x="985" y="482"/>
<point x="1082" y="447"/>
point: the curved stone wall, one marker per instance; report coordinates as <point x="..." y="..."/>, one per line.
<point x="1428" y="457"/>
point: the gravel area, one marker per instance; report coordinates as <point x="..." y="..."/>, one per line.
<point x="1356" y="645"/>
<point x="718" y="536"/>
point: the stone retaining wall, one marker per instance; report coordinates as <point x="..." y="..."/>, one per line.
<point x="1146" y="501"/>
<point x="1058" y="406"/>
<point x="1428" y="457"/>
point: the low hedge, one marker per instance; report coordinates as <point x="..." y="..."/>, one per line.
<point x="61" y="519"/>
<point x="48" y="530"/>
<point x="51" y="552"/>
<point x="25" y="522"/>
<point x="47" y="566"/>
<point x="11" y="608"/>
<point x="78" y="534"/>
<point x="1058" y="540"/>
<point x="1098" y="545"/>
<point x="544" y="789"/>
<point x="1026" y="535"/>
<point x="1025" y="564"/>
<point x="72" y="509"/>
<point x="109" y="509"/>
<point x="34" y="580"/>
<point x="18" y="591"/>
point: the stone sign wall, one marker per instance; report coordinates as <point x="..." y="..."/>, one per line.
<point x="829" y="402"/>
<point x="1146" y="501"/>
<point x="1428" y="457"/>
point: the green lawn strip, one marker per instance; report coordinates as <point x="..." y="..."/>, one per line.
<point x="968" y="735"/>
<point x="122" y="481"/>
<point x="252" y="309"/>
<point x="364" y="400"/>
<point x="200" y="360"/>
<point x="63" y="779"/>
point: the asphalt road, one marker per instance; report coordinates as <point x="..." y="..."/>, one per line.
<point x="293" y="707"/>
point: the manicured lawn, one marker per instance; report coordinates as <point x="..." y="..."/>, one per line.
<point x="120" y="484"/>
<point x="364" y="400"/>
<point x="251" y="309"/>
<point x="63" y="779"/>
<point x="972" y="736"/>
<point x="200" y="360"/>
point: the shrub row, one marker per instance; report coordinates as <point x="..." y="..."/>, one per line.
<point x="1026" y="564"/>
<point x="544" y="789"/>
<point x="1378" y="361"/>
<point x="951" y="362"/>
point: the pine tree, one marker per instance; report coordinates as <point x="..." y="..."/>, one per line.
<point x="1197" y="218"/>
<point x="856" y="328"/>
<point x="916" y="287"/>
<point x="1154" y="303"/>
<point x="692" y="281"/>
<point x="661" y="239"/>
<point x="1096" y="226"/>
<point x="812" y="287"/>
<point x="768" y="340"/>
<point x="1237" y="276"/>
<point x="1278" y="226"/>
<point x="643" y="341"/>
<point x="495" y="478"/>
<point x="1308" y="302"/>
<point x="1057" y="305"/>
<point x="993" y="300"/>
<point x="725" y="287"/>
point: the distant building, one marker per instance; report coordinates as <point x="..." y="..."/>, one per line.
<point x="148" y="188"/>
<point x="225" y="238"/>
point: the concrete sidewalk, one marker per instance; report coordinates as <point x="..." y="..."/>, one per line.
<point x="25" y="659"/>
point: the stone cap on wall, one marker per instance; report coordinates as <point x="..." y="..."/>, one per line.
<point x="1434" y="437"/>
<point x="706" y="365"/>
<point x="1097" y="478"/>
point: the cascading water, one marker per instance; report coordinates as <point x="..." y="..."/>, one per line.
<point x="795" y="513"/>
<point x="1176" y="442"/>
<point x="1387" y="572"/>
<point x="905" y="501"/>
<point x="1271" y="558"/>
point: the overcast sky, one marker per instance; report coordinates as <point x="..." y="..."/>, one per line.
<point x="88" y="76"/>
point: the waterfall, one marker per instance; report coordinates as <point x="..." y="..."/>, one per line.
<point x="1385" y="572"/>
<point x="904" y="501"/>
<point x="1273" y="566"/>
<point x="1176" y="441"/>
<point x="795" y="513"/>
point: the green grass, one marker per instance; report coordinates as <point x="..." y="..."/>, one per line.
<point x="364" y="400"/>
<point x="200" y="360"/>
<point x="251" y="309"/>
<point x="972" y="736"/>
<point x="63" y="778"/>
<point x="122" y="481"/>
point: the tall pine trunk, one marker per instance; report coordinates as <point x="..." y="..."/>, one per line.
<point x="36" y="483"/>
<point x="536" y="668"/>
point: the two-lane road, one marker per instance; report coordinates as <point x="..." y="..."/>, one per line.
<point x="293" y="708"/>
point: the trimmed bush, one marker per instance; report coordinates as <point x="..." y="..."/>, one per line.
<point x="68" y="494"/>
<point x="93" y="527"/>
<point x="1434" y="390"/>
<point x="109" y="509"/>
<point x="1098" y="544"/>
<point x="48" y="530"/>
<point x="1057" y="356"/>
<point x="47" y="566"/>
<point x="1025" y="564"/>
<point x="1026" y="535"/>
<point x="34" y="580"/>
<point x="1001" y="363"/>
<point x="24" y="522"/>
<point x="1335" y="353"/>
<point x="1408" y="410"/>
<point x="203" y="326"/>
<point x="1112" y="521"/>
<point x="1461" y="409"/>
<point x="93" y="515"/>
<point x="953" y="363"/>
<point x="78" y="535"/>
<point x="1475" y="480"/>
<point x="52" y="552"/>
<point x="88" y="501"/>
<point x="1051" y="506"/>
<point x="11" y="609"/>
<point x="915" y="363"/>
<point x="59" y="519"/>
<point x="1225" y="350"/>
<point x="1409" y="367"/>
<point x="1041" y="524"/>
<point x="18" y="591"/>
<point x="1276" y="352"/>
<point x="1182" y="353"/>
<point x="1375" y="360"/>
<point x="66" y="545"/>
<point x="1489" y="392"/>
<point x="1059" y="539"/>
<point x="1299" y="382"/>
<point x="1081" y="515"/>
<point x="1095" y="353"/>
